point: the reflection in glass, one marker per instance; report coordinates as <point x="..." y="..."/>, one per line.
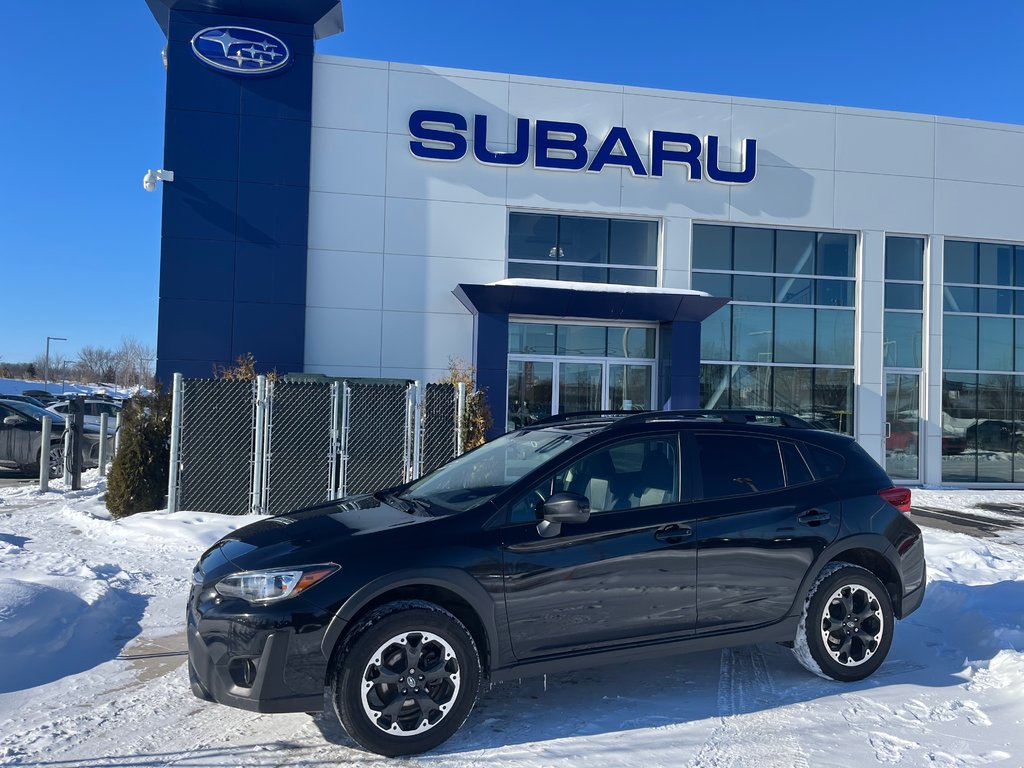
<point x="960" y="342"/>
<point x="902" y="340"/>
<point x="959" y="299"/>
<point x="582" y="340"/>
<point x="833" y="337"/>
<point x="836" y="254"/>
<point x="794" y="252"/>
<point x="647" y="277"/>
<point x="903" y="426"/>
<point x="532" y="236"/>
<point x="833" y="398"/>
<point x="715" y="335"/>
<point x="794" y="290"/>
<point x="714" y="386"/>
<point x="753" y="250"/>
<point x="634" y="242"/>
<point x="903" y="296"/>
<point x="714" y="283"/>
<point x="794" y="335"/>
<point x="583" y="239"/>
<point x="995" y="264"/>
<point x="960" y="262"/>
<point x="994" y="435"/>
<point x="751" y="386"/>
<point x="631" y="342"/>
<point x="752" y="288"/>
<point x="959" y="411"/>
<point x="531" y="338"/>
<point x="533" y="271"/>
<point x="752" y="334"/>
<point x="995" y="301"/>
<point x="574" y="274"/>
<point x="629" y="387"/>
<point x="794" y="391"/>
<point x="579" y="387"/>
<point x="904" y="258"/>
<point x="995" y="343"/>
<point x="529" y="392"/>
<point x="835" y="293"/>
<point x="712" y="247"/>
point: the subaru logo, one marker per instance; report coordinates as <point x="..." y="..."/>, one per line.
<point x="241" y="50"/>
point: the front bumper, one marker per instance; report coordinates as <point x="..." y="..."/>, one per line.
<point x="259" y="658"/>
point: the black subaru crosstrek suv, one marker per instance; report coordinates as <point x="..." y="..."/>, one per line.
<point x="578" y="541"/>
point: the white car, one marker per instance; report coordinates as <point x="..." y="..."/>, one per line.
<point x="93" y="410"/>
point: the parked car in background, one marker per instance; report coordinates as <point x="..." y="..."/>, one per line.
<point x="21" y="426"/>
<point x="953" y="444"/>
<point x="25" y="399"/>
<point x="997" y="435"/>
<point x="579" y="540"/>
<point x="41" y="395"/>
<point x="902" y="436"/>
<point x="93" y="408"/>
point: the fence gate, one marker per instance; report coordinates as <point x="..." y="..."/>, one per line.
<point x="215" y="462"/>
<point x="299" y="445"/>
<point x="376" y="437"/>
<point x="440" y="422"/>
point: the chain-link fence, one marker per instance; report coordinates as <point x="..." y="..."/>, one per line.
<point x="242" y="446"/>
<point x="216" y="454"/>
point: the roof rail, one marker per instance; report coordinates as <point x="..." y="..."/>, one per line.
<point x="729" y="415"/>
<point x="561" y="418"/>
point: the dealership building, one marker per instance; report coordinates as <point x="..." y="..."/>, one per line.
<point x="590" y="246"/>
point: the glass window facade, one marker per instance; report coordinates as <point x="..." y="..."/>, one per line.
<point x="982" y="346"/>
<point x="585" y="249"/>
<point x="793" y="295"/>
<point x="904" y="302"/>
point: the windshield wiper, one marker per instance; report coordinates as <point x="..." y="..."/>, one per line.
<point x="395" y="501"/>
<point x="421" y="504"/>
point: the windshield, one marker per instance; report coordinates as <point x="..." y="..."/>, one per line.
<point x="481" y="474"/>
<point x="34" y="411"/>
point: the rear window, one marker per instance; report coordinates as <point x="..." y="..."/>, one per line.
<point x="797" y="471"/>
<point x="734" y="465"/>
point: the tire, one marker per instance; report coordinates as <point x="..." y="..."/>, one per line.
<point x="391" y="716"/>
<point x="56" y="461"/>
<point x="847" y="624"/>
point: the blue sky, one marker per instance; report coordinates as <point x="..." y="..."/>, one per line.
<point x="82" y="93"/>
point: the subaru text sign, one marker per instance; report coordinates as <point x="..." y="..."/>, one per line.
<point x="241" y="50"/>
<point x="438" y="135"/>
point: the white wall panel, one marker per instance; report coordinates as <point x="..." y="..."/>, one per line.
<point x="468" y="96"/>
<point x="675" y="245"/>
<point x="673" y="195"/>
<point x="893" y="203"/>
<point x="425" y="284"/>
<point x="344" y="279"/>
<point x="347" y="161"/>
<point x="351" y="97"/>
<point x="342" y="336"/>
<point x="966" y="209"/>
<point x="787" y="137"/>
<point x="596" y="110"/>
<point x="440" y="228"/>
<point x="420" y="340"/>
<point x="785" y="196"/>
<point x="565" y="190"/>
<point x="346" y="222"/>
<point x="464" y="180"/>
<point x="644" y="113"/>
<point x="978" y="154"/>
<point x="884" y="145"/>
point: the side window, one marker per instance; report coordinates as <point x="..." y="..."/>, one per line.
<point x="797" y="471"/>
<point x="643" y="472"/>
<point x="823" y="462"/>
<point x="733" y="465"/>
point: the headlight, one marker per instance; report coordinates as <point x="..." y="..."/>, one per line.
<point x="273" y="585"/>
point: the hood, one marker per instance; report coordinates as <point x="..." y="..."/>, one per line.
<point x="314" y="535"/>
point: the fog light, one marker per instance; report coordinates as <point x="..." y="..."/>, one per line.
<point x="243" y="672"/>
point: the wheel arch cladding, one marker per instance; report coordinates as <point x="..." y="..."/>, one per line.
<point x="875" y="562"/>
<point x="441" y="595"/>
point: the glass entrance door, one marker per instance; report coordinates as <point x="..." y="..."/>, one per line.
<point x="580" y="387"/>
<point x="903" y="426"/>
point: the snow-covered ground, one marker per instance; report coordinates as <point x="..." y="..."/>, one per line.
<point x="91" y="673"/>
<point x="18" y="386"/>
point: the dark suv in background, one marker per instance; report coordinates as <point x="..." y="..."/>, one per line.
<point x="580" y="540"/>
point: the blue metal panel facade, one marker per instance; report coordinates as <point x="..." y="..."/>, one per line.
<point x="235" y="218"/>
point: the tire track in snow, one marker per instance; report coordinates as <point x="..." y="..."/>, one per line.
<point x="752" y="725"/>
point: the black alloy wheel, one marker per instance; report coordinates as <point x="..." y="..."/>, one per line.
<point x="847" y="625"/>
<point x="407" y="679"/>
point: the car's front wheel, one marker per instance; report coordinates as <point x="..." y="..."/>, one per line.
<point x="847" y="625"/>
<point x="407" y="679"/>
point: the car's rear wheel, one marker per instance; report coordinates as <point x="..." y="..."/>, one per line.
<point x="407" y="679"/>
<point x="54" y="460"/>
<point x="847" y="625"/>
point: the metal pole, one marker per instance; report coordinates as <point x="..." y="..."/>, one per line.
<point x="407" y="470"/>
<point x="257" y="460"/>
<point x="67" y="450"/>
<point x="460" y="420"/>
<point x="268" y="441"/>
<point x="172" y="480"/>
<point x="46" y="376"/>
<point x="346" y="411"/>
<point x="417" y="431"/>
<point x="333" y="450"/>
<point x="44" y="455"/>
<point x="117" y="431"/>
<point x="103" y="444"/>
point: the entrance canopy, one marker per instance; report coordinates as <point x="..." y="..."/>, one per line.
<point x="678" y="313"/>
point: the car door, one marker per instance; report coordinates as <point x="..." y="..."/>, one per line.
<point x="20" y="440"/>
<point x="762" y="520"/>
<point x="7" y="435"/>
<point x="626" y="575"/>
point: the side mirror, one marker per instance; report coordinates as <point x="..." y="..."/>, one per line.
<point x="14" y="421"/>
<point x="561" y="508"/>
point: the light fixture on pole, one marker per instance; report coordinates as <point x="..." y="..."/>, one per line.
<point x="46" y="377"/>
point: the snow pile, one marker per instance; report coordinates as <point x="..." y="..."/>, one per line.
<point x="92" y="670"/>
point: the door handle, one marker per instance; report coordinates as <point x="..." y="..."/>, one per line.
<point x="673" y="534"/>
<point x="814" y="517"/>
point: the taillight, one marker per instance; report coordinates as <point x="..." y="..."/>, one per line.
<point x="898" y="497"/>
